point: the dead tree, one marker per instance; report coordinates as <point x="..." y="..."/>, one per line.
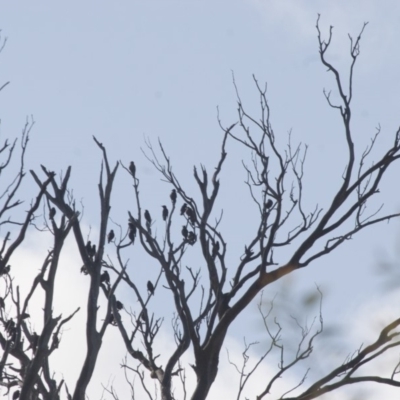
<point x="207" y="297"/>
<point x="320" y="231"/>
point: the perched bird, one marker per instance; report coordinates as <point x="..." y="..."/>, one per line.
<point x="183" y="208"/>
<point x="110" y="236"/>
<point x="89" y="248"/>
<point x="2" y="304"/>
<point x="93" y="250"/>
<point x="34" y="342"/>
<point x="25" y="315"/>
<point x="52" y="212"/>
<point x="215" y="249"/>
<point x="119" y="305"/>
<point x="191" y="215"/>
<point x="268" y="204"/>
<point x="84" y="270"/>
<point x="191" y="238"/>
<point x="173" y="196"/>
<point x="184" y="232"/>
<point x="15" y="395"/>
<point x="105" y="278"/>
<point x="164" y="213"/>
<point x="147" y="216"/>
<point x="150" y="287"/>
<point x="112" y="320"/>
<point x="132" y="168"/>
<point x="132" y="231"/>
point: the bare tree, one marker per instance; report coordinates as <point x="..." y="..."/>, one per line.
<point x="206" y="300"/>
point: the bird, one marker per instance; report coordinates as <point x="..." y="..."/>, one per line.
<point x="147" y="216"/>
<point x="268" y="204"/>
<point x="132" y="168"/>
<point x="215" y="249"/>
<point x="15" y="395"/>
<point x="52" y="212"/>
<point x="112" y="320"/>
<point x="110" y="236"/>
<point x="119" y="305"/>
<point x="191" y="238"/>
<point x="184" y="232"/>
<point x="2" y="303"/>
<point x="93" y="250"/>
<point x="105" y="278"/>
<point x="84" y="270"/>
<point x="164" y="213"/>
<point x="191" y="215"/>
<point x="132" y="232"/>
<point x="173" y="196"/>
<point x="34" y="342"/>
<point x="183" y="208"/>
<point x="150" y="287"/>
<point x="89" y="248"/>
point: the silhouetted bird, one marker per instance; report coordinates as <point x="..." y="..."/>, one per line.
<point x="2" y="304"/>
<point x="93" y="250"/>
<point x="150" y="287"/>
<point x="132" y="232"/>
<point x="183" y="208"/>
<point x="34" y="342"/>
<point x="132" y="168"/>
<point x="25" y="316"/>
<point x="173" y="196"/>
<point x="112" y="320"/>
<point x="52" y="212"/>
<point x="110" y="236"/>
<point x="215" y="249"/>
<point x="191" y="215"/>
<point x="105" y="278"/>
<point x="147" y="216"/>
<point x="268" y="204"/>
<point x="16" y="395"/>
<point x="119" y="305"/>
<point x="184" y="232"/>
<point x="84" y="270"/>
<point x="164" y="213"/>
<point x="89" y="248"/>
<point x="191" y="238"/>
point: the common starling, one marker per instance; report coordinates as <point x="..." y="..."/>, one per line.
<point x="191" y="238"/>
<point x="93" y="250"/>
<point x="183" y="208"/>
<point x="164" y="213"/>
<point x="52" y="212"/>
<point x="110" y="236"/>
<point x="119" y="305"/>
<point x="147" y="216"/>
<point x="150" y="287"/>
<point x="89" y="248"/>
<point x="173" y="196"/>
<point x="215" y="249"/>
<point x="105" y="278"/>
<point x="132" y="232"/>
<point x="15" y="395"/>
<point x="191" y="215"/>
<point x="268" y="204"/>
<point x="132" y="168"/>
<point x="34" y="341"/>
<point x="184" y="232"/>
<point x="2" y="304"/>
<point x="84" y="270"/>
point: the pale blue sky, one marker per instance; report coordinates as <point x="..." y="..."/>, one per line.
<point x="127" y="70"/>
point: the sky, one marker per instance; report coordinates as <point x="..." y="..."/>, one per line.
<point x="131" y="71"/>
